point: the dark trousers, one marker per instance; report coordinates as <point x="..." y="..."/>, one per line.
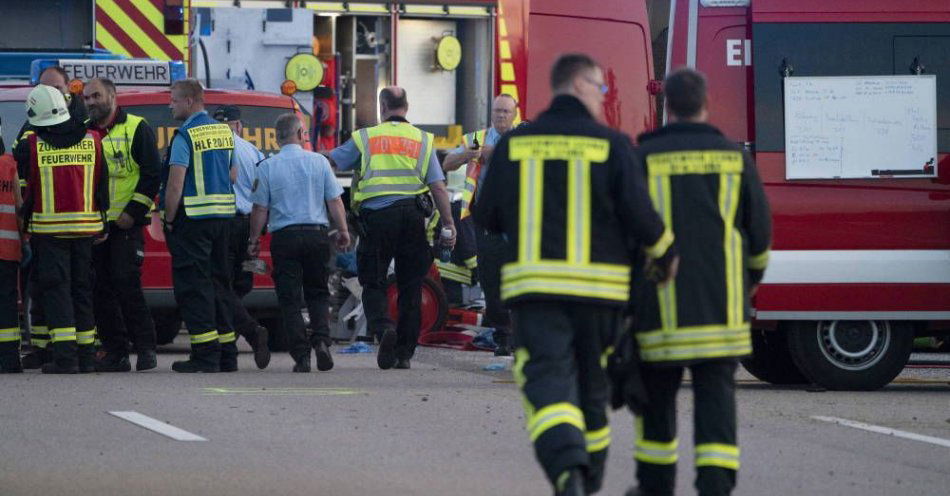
<point x="459" y="271"/>
<point x="120" y="308"/>
<point x="242" y="282"/>
<point x="491" y="253"/>
<point x="39" y="331"/>
<point x="63" y="268"/>
<point x="395" y="232"/>
<point x="717" y="454"/>
<point x="9" y="316"/>
<point x="201" y="278"/>
<point x="300" y="272"/>
<point x="558" y="368"/>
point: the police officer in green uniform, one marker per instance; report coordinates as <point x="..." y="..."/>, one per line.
<point x="566" y="193"/>
<point x="396" y="168"/>
<point x="708" y="191"/>
<point x="197" y="203"/>
<point x="134" y="164"/>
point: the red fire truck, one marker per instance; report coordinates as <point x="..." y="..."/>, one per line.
<point x="859" y="266"/>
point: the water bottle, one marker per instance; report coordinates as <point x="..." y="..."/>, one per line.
<point x="445" y="253"/>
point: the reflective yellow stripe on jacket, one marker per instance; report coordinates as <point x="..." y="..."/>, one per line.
<point x="673" y="342"/>
<point x="394" y="161"/>
<point x="124" y="170"/>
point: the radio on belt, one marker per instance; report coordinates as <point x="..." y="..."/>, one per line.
<point x="122" y="72"/>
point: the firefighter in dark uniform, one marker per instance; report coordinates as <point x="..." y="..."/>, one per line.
<point x="64" y="210"/>
<point x="565" y="192"/>
<point x="396" y="168"/>
<point x="197" y="203"/>
<point x="132" y="157"/>
<point x="707" y="189"/>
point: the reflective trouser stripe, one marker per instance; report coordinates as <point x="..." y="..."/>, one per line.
<point x="717" y="455"/>
<point x="552" y="416"/>
<point x="39" y="336"/>
<point x="204" y="338"/>
<point x="10" y="335"/>
<point x="63" y="334"/>
<point x="454" y="272"/>
<point x="86" y="337"/>
<point x="597" y="440"/>
<point x="655" y="452"/>
<point x="229" y="337"/>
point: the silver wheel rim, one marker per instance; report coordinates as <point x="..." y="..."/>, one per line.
<point x="853" y="345"/>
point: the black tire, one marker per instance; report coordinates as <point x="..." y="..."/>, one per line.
<point x="276" y="337"/>
<point x="850" y="355"/>
<point x="167" y="324"/>
<point x="771" y="361"/>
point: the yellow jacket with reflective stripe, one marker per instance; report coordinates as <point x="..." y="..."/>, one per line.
<point x="134" y="165"/>
<point x="567" y="194"/>
<point x="394" y="160"/>
<point x="707" y="189"/>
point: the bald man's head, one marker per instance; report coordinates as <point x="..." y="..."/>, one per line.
<point x="503" y="111"/>
<point x="392" y="101"/>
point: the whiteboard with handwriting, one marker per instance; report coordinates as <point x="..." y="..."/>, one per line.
<point x="860" y="127"/>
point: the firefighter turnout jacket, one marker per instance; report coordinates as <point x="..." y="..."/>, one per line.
<point x="707" y="189"/>
<point x="207" y="192"/>
<point x="394" y="161"/>
<point x="568" y="195"/>
<point x="67" y="194"/>
<point x="131" y="153"/>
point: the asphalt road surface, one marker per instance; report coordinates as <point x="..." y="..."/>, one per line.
<point x="445" y="427"/>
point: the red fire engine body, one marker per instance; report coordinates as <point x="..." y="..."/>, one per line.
<point x="858" y="266"/>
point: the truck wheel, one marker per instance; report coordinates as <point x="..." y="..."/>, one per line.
<point x="276" y="337"/>
<point x="860" y="355"/>
<point x="167" y="325"/>
<point x="771" y="361"/>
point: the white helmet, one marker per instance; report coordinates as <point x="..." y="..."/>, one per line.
<point x="46" y="106"/>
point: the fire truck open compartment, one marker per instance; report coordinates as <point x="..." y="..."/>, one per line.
<point x="374" y="51"/>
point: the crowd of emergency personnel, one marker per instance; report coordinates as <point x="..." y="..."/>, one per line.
<point x="607" y="268"/>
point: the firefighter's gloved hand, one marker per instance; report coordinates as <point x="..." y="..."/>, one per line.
<point x="755" y="276"/>
<point x="663" y="270"/>
<point x="623" y="369"/>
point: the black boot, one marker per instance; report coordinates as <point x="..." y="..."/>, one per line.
<point x="229" y="357"/>
<point x="10" y="358"/>
<point x="570" y="483"/>
<point x="87" y="358"/>
<point x="36" y="358"/>
<point x="302" y="364"/>
<point x="324" y="359"/>
<point x="114" y="362"/>
<point x="147" y="360"/>
<point x="386" y="354"/>
<point x="204" y="357"/>
<point x="501" y="344"/>
<point x="258" y="342"/>
<point x="65" y="359"/>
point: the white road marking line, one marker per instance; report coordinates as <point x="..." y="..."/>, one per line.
<point x="158" y="426"/>
<point x="887" y="431"/>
